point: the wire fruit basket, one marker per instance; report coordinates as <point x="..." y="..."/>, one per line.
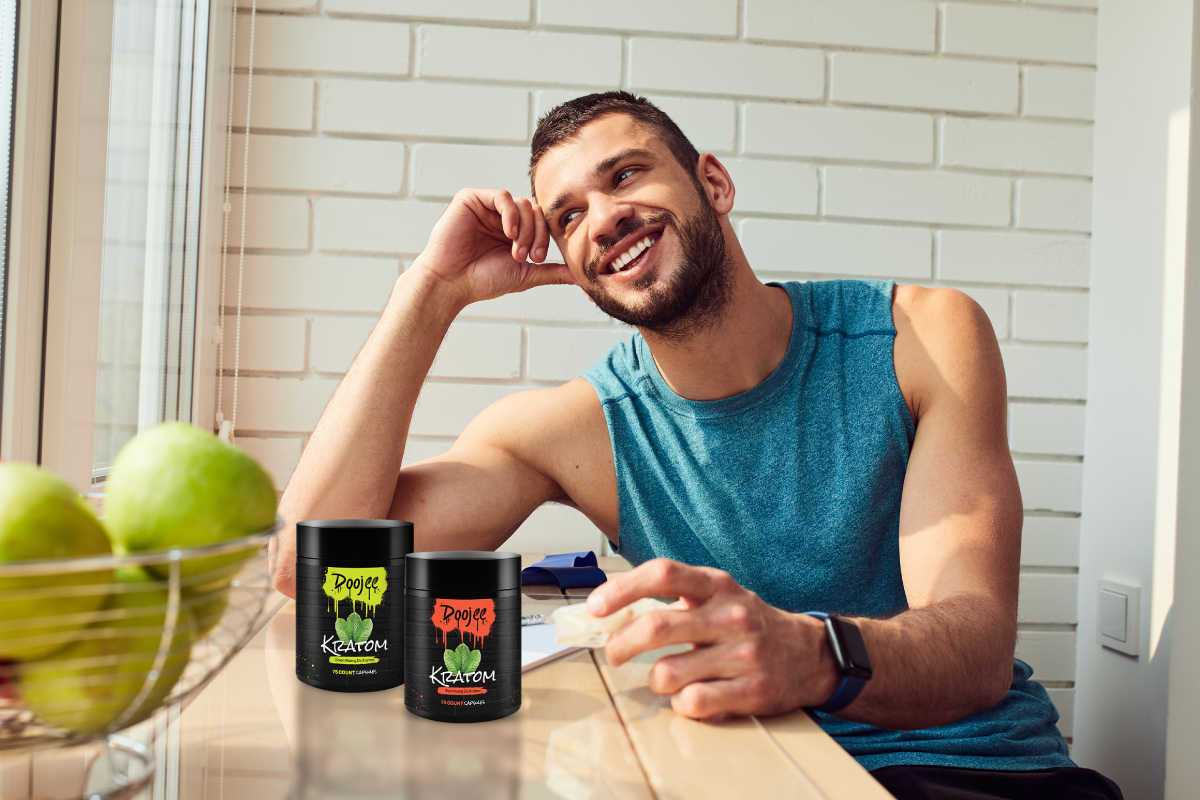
<point x="156" y="626"/>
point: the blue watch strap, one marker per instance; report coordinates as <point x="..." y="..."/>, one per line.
<point x="847" y="690"/>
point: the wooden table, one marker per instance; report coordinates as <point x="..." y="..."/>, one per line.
<point x="585" y="730"/>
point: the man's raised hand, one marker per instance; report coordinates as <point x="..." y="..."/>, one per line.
<point x="481" y="243"/>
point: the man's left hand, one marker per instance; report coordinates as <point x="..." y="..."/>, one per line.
<point x="747" y="657"/>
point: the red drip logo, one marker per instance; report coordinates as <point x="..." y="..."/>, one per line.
<point x="472" y="618"/>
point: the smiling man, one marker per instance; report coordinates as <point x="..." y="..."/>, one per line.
<point x="759" y="451"/>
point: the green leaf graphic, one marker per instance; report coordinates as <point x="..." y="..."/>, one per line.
<point x="464" y="655"/>
<point x="342" y="630"/>
<point x="471" y="662"/>
<point x="353" y="623"/>
<point x="451" y="659"/>
<point x="364" y="630"/>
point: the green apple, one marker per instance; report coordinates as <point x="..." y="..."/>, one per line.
<point x="43" y="517"/>
<point x="175" y="485"/>
<point x="93" y="682"/>
<point x="207" y="604"/>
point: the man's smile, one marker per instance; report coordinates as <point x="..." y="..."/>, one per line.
<point x="631" y="253"/>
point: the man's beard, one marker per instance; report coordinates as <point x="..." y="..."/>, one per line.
<point x="696" y="295"/>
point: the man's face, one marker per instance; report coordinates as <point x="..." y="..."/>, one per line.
<point x="636" y="231"/>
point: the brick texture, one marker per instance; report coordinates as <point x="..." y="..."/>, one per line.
<point x="1050" y="542"/>
<point x="1050" y="485"/>
<point x="1045" y="372"/>
<point x="866" y="138"/>
<point x="281" y="102"/>
<point x="331" y="165"/>
<point x="933" y="83"/>
<point x="1054" y="205"/>
<point x="828" y="248"/>
<point x="559" y="355"/>
<point x="931" y="197"/>
<point x="1048" y="429"/>
<point x="726" y="68"/>
<point x="1017" y="146"/>
<point x="424" y="109"/>
<point x="498" y="54"/>
<point x="440" y="170"/>
<point x="367" y="225"/>
<point x="1066" y="92"/>
<point x="854" y="23"/>
<point x="705" y="17"/>
<point x="310" y="283"/>
<point x="1027" y="34"/>
<point x="1051" y="316"/>
<point x="1047" y="599"/>
<point x="838" y="133"/>
<point x="477" y="10"/>
<point x="773" y="187"/>
<point x="322" y="44"/>
<point x="1013" y="258"/>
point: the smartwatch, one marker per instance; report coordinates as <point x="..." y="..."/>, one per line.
<point x="850" y="652"/>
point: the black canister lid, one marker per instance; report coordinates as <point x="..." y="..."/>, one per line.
<point x="475" y="573"/>
<point x="342" y="539"/>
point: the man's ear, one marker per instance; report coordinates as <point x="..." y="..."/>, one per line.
<point x="716" y="182"/>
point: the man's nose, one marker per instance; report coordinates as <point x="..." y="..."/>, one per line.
<point x="606" y="215"/>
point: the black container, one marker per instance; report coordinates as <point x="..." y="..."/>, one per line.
<point x="462" y="649"/>
<point x="350" y="603"/>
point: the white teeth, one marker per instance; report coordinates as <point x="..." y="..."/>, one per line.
<point x="622" y="260"/>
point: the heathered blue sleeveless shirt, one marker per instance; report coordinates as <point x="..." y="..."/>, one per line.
<point x="793" y="487"/>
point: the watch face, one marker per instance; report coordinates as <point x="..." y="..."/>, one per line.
<point x="850" y="648"/>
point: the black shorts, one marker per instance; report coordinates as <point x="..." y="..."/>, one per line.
<point x="954" y="783"/>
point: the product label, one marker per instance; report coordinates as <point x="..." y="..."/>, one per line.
<point x="349" y="626"/>
<point x="366" y="586"/>
<point x="463" y="657"/>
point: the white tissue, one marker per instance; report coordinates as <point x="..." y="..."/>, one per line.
<point x="574" y="626"/>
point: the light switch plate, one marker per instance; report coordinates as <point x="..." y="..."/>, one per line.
<point x="1118" y="611"/>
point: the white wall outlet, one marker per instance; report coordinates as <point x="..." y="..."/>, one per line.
<point x="1118" y="611"/>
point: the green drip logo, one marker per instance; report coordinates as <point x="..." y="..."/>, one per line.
<point x="352" y="635"/>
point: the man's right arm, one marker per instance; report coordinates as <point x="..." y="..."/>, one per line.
<point x="350" y="466"/>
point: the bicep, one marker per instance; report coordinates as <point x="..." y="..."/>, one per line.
<point x="474" y="496"/>
<point x="960" y="518"/>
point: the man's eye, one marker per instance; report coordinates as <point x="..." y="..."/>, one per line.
<point x="567" y="218"/>
<point x="625" y="173"/>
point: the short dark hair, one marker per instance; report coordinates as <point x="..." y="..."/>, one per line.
<point x="563" y="123"/>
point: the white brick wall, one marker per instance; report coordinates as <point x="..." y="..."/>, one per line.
<point x="939" y="143"/>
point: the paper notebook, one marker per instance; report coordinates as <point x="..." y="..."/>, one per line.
<point x="538" y="646"/>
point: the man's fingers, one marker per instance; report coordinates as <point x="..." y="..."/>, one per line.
<point x="671" y="673"/>
<point x="510" y="216"/>
<point x="662" y="629"/>
<point x="541" y="238"/>
<point x="704" y="699"/>
<point x="525" y="232"/>
<point x="549" y="275"/>
<point x="658" y="578"/>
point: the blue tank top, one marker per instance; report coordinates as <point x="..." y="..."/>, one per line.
<point x="793" y="488"/>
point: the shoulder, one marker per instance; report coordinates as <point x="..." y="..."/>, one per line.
<point x="540" y="413"/>
<point x="945" y="348"/>
<point x="546" y="428"/>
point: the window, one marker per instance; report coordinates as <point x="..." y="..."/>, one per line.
<point x="151" y="221"/>
<point x="134" y="196"/>
<point x="8" y="63"/>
